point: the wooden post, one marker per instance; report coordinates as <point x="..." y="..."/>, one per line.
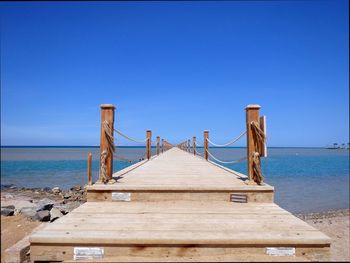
<point x="89" y="169"/>
<point x="252" y="114"/>
<point x="206" y="136"/>
<point x="162" y="145"/>
<point x="158" y="141"/>
<point x="148" y="144"/>
<point x="107" y="114"/>
<point x="189" y="145"/>
<point x="263" y="147"/>
<point x="194" y="145"/>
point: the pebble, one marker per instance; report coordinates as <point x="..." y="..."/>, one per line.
<point x="56" y="190"/>
<point x="67" y="195"/>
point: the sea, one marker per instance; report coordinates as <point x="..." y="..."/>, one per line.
<point x="305" y="179"/>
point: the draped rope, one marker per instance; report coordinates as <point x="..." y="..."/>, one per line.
<point x="220" y="161"/>
<point x="129" y="138"/>
<point x="198" y="152"/>
<point x="229" y="143"/>
<point x="122" y="158"/>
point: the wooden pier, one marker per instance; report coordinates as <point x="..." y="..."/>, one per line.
<point x="178" y="206"/>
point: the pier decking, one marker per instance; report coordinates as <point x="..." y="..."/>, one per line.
<point x="179" y="207"/>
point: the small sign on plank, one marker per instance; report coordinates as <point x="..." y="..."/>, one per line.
<point x="280" y="251"/>
<point x="88" y="253"/>
<point x="121" y="196"/>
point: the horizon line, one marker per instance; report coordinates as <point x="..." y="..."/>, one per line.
<point x="97" y="146"/>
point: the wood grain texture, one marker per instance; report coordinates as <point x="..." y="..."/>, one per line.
<point x="107" y="114"/>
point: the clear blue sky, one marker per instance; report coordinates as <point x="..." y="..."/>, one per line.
<point x="176" y="68"/>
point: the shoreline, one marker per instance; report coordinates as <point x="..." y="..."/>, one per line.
<point x="19" y="216"/>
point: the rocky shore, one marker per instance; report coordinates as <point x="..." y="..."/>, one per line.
<point x="40" y="204"/>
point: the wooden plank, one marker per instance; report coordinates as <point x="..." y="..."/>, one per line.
<point x="177" y="236"/>
<point x="154" y="196"/>
<point x="183" y="254"/>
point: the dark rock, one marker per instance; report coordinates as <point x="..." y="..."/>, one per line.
<point x="45" y="204"/>
<point x="7" y="211"/>
<point x="68" y="207"/>
<point x="55" y="213"/>
<point x="43" y="216"/>
<point x="67" y="195"/>
<point x="9" y="207"/>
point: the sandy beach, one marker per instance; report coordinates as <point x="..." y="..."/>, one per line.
<point x="333" y="223"/>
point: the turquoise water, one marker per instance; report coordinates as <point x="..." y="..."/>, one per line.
<point x="305" y="179"/>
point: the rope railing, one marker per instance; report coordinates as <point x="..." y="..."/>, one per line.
<point x="226" y="162"/>
<point x="129" y="138"/>
<point x="122" y="158"/>
<point x="229" y="143"/>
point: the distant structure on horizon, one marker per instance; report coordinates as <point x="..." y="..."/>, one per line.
<point x="338" y="146"/>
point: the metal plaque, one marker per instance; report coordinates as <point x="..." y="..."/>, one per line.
<point x="88" y="253"/>
<point x="119" y="196"/>
<point x="280" y="251"/>
<point x="239" y="198"/>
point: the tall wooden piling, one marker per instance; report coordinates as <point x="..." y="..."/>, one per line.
<point x="206" y="144"/>
<point x="189" y="145"/>
<point x="158" y="142"/>
<point x="89" y="169"/>
<point x="252" y="114"/>
<point x="162" y="145"/>
<point x="107" y="114"/>
<point x="148" y="144"/>
<point x="194" y="145"/>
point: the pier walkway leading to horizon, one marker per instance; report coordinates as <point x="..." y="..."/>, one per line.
<point x="178" y="207"/>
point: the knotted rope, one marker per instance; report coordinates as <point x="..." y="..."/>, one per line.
<point x="257" y="174"/>
<point x="259" y="140"/>
<point x="109" y="136"/>
<point x="104" y="154"/>
<point x="103" y="176"/>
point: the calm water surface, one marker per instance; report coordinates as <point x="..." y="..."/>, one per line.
<point x="305" y="179"/>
